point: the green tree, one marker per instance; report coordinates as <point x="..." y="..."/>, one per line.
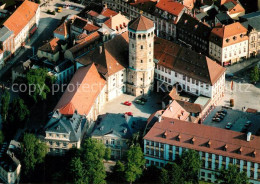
<point x="135" y="140"/>
<point x="91" y="155"/>
<point x="135" y="163"/>
<point x="232" y="175"/>
<point x="190" y="164"/>
<point x="38" y="1"/>
<point x="164" y="177"/>
<point x="77" y="171"/>
<point x="39" y="83"/>
<point x="254" y="76"/>
<point x="172" y="174"/>
<point x="118" y="171"/>
<point x="19" y="112"/>
<point x="107" y="154"/>
<point x="1" y="137"/>
<point x="33" y="153"/>
<point x="5" y="100"/>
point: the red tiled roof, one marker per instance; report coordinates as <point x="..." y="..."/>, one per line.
<point x="51" y="47"/>
<point x="91" y="27"/>
<point x="21" y="17"/>
<point x="186" y="61"/>
<point x="87" y="40"/>
<point x="109" y="58"/>
<point x="141" y="24"/>
<point x="82" y="91"/>
<point x="108" y="13"/>
<point x="93" y="13"/>
<point x="203" y="134"/>
<point x="62" y="29"/>
<point x="170" y="6"/>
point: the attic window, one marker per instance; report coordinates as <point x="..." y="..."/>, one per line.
<point x="225" y="147"/>
<point x="234" y="38"/>
<point x="185" y="22"/>
<point x="209" y="144"/>
<point x="241" y="36"/>
<point x="227" y="40"/>
<point x="240" y="150"/>
<point x="164" y="134"/>
<point x="192" y="140"/>
<point x="178" y="138"/>
<point x="254" y="153"/>
<point x="196" y="26"/>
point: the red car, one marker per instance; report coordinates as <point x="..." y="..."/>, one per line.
<point x="127" y="103"/>
<point x="129" y="113"/>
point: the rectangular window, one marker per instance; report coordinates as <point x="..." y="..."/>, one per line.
<point x="112" y="141"/>
<point x="176" y="75"/>
<point x="169" y="80"/>
<point x="184" y="77"/>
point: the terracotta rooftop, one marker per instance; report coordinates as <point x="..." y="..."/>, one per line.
<point x="87" y="40"/>
<point x="224" y="35"/>
<point x="170" y="6"/>
<point x="218" y="138"/>
<point x="176" y="111"/>
<point x="87" y="85"/>
<point x="141" y="24"/>
<point x="190" y="107"/>
<point x="51" y="47"/>
<point x="91" y="27"/>
<point x="21" y="17"/>
<point x="108" y="12"/>
<point x="62" y="29"/>
<point x="93" y="13"/>
<point x="186" y="61"/>
<point x="109" y="58"/>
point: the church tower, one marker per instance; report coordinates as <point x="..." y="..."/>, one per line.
<point x="140" y="76"/>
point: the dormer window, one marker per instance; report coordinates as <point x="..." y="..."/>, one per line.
<point x="225" y="147"/>
<point x="234" y="38"/>
<point x="164" y="134"/>
<point x="240" y="150"/>
<point x="178" y="138"/>
<point x="227" y="40"/>
<point x="192" y="140"/>
<point x="241" y="36"/>
<point x="209" y="144"/>
<point x="254" y="153"/>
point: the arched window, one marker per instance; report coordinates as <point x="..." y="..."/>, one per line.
<point x="139" y="37"/>
<point x="131" y="35"/>
<point x="144" y="36"/>
<point x="148" y="34"/>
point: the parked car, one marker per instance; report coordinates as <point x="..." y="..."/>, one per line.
<point x="223" y="111"/>
<point x="127" y="103"/>
<point x="216" y="119"/>
<point x="248" y="124"/>
<point x="219" y="116"/>
<point x="129" y="113"/>
<point x="229" y="125"/>
<point x="143" y="99"/>
<point x="140" y="102"/>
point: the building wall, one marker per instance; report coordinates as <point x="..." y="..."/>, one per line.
<point x="61" y="37"/>
<point x="141" y="65"/>
<point x="116" y="84"/>
<point x="254" y="43"/>
<point x="65" y="76"/>
<point x="211" y="162"/>
<point x="230" y="54"/>
<point x="117" y="145"/>
<point x="8" y="47"/>
<point x="50" y="56"/>
<point x="10" y="177"/>
<point x="1" y="60"/>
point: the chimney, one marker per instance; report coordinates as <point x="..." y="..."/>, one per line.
<point x="248" y="137"/>
<point x="159" y="118"/>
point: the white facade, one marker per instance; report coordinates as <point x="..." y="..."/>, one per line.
<point x="24" y="33"/>
<point x="190" y="85"/>
<point x="1" y="59"/>
<point x="210" y="162"/>
<point x="116" y="84"/>
<point x="229" y="54"/>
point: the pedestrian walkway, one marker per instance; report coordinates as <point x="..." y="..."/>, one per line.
<point x="242" y="66"/>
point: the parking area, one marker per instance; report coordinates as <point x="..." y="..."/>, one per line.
<point x="139" y="111"/>
<point x="237" y="118"/>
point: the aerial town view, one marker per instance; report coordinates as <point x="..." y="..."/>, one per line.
<point x="130" y="91"/>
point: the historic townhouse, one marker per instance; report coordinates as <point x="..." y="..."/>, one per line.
<point x="165" y="14"/>
<point x="23" y="22"/>
<point x="169" y="138"/>
<point x="253" y="27"/>
<point x="228" y="44"/>
<point x="193" y="33"/>
<point x="113" y="130"/>
<point x="6" y="44"/>
<point x="63" y="133"/>
<point x="193" y="72"/>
